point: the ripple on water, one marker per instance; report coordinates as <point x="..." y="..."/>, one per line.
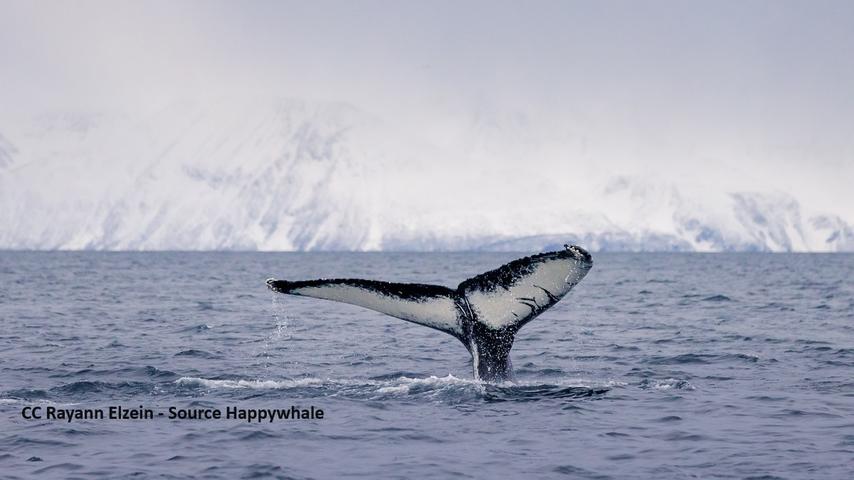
<point x="26" y="394"/>
<point x="717" y="298"/>
<point x="83" y="388"/>
<point x="702" y="359"/>
<point x="197" y="328"/>
<point x="198" y="354"/>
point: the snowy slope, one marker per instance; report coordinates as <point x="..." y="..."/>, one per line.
<point x="296" y="175"/>
<point x="7" y="153"/>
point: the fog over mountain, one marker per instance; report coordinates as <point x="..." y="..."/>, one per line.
<point x="295" y="175"/>
<point x="372" y="125"/>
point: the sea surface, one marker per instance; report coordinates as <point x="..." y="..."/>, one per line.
<point x="664" y="366"/>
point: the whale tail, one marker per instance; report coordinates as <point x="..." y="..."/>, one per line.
<point x="483" y="312"/>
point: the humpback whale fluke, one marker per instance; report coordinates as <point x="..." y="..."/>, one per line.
<point x="484" y="312"/>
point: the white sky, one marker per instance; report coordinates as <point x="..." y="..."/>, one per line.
<point x="765" y="88"/>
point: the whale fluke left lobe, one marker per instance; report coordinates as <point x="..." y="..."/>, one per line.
<point x="281" y="286"/>
<point x="433" y="306"/>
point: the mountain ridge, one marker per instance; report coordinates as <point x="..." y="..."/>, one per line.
<point x="295" y="175"/>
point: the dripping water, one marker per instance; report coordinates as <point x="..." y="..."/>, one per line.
<point x="281" y="333"/>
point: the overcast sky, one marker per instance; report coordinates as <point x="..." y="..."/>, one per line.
<point x="771" y="81"/>
<point x="769" y="57"/>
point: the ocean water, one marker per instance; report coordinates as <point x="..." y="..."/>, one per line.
<point x="655" y="366"/>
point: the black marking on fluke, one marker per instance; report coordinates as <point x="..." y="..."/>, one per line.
<point x="484" y="312"/>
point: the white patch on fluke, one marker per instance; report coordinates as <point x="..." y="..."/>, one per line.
<point x="503" y="307"/>
<point x="436" y="312"/>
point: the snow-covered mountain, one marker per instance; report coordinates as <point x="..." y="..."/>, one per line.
<point x="7" y="152"/>
<point x="297" y="175"/>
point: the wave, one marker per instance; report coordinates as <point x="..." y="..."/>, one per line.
<point x="717" y="298"/>
<point x="703" y="358"/>
<point x="253" y="384"/>
<point x="666" y="384"/>
<point x="198" y="354"/>
<point x="447" y="389"/>
<point x="90" y="387"/>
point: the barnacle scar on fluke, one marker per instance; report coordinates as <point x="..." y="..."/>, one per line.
<point x="484" y="312"/>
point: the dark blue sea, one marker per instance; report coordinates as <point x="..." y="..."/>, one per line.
<point x="665" y="366"/>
